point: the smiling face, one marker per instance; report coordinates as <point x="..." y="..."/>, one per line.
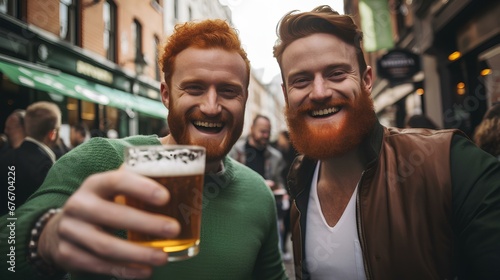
<point x="329" y="110"/>
<point x="260" y="133"/>
<point x="206" y="99"/>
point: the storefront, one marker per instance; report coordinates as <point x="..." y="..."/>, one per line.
<point x="398" y="93"/>
<point x="36" y="66"/>
<point x="467" y="38"/>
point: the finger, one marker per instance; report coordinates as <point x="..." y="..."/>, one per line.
<point x="103" y="245"/>
<point x="112" y="183"/>
<point x="74" y="259"/>
<point x="118" y="216"/>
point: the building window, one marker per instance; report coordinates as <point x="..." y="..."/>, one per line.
<point x="176" y="10"/>
<point x="67" y="21"/>
<point x="156" y="4"/>
<point x="13" y="8"/>
<point x="157" y="67"/>
<point x="137" y="39"/>
<point x="109" y="36"/>
<point x="4" y="6"/>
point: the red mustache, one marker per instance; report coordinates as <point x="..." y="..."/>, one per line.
<point x="309" y="107"/>
<point x="199" y="116"/>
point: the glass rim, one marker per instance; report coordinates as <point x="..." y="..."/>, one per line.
<point x="166" y="147"/>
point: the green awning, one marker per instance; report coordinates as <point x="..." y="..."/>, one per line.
<point x="54" y="81"/>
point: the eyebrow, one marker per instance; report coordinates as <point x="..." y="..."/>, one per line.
<point x="342" y="65"/>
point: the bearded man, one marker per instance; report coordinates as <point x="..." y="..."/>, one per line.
<point x="205" y="89"/>
<point x="371" y="202"/>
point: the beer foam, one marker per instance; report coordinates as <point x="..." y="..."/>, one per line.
<point x="168" y="167"/>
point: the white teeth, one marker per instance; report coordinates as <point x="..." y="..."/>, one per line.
<point x="207" y="124"/>
<point x="325" y="111"/>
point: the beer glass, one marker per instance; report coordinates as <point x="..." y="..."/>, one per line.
<point x="180" y="169"/>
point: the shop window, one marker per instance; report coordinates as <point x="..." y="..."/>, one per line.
<point x="73" y="111"/>
<point x="489" y="74"/>
<point x="148" y="125"/>
<point x="109" y="36"/>
<point x="112" y="121"/>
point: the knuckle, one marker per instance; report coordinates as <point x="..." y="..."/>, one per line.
<point x="63" y="253"/>
<point x="101" y="248"/>
<point x="78" y="203"/>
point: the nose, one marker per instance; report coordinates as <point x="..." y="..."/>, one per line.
<point x="210" y="105"/>
<point x="320" y="89"/>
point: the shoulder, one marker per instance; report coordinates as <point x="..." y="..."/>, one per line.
<point x="415" y="133"/>
<point x="244" y="177"/>
<point x="403" y="139"/>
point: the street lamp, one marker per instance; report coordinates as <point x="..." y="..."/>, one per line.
<point x="140" y="63"/>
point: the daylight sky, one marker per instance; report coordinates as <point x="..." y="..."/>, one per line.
<point x="256" y="21"/>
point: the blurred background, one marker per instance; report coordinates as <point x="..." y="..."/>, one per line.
<point x="96" y="59"/>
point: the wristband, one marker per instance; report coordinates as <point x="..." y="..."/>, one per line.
<point x="41" y="267"/>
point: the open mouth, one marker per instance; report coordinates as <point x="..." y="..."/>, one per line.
<point x="208" y="127"/>
<point x="323" y="113"/>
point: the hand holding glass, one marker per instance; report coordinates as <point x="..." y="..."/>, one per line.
<point x="180" y="169"/>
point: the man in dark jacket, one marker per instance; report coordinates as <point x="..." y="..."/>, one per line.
<point x="372" y="202"/>
<point x="29" y="164"/>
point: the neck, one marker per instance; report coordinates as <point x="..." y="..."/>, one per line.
<point x="16" y="142"/>
<point x="344" y="167"/>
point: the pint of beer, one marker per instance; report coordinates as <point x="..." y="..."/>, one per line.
<point x="180" y="169"/>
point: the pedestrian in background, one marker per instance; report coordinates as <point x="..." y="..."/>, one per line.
<point x="487" y="133"/>
<point x="33" y="158"/>
<point x="59" y="147"/>
<point x="78" y="134"/>
<point x="284" y="145"/>
<point x="14" y="132"/>
<point x="420" y="121"/>
<point x="205" y="89"/>
<point x="257" y="153"/>
<point x="372" y="202"/>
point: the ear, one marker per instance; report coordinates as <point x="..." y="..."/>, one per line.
<point x="53" y="135"/>
<point x="165" y="94"/>
<point x="368" y="79"/>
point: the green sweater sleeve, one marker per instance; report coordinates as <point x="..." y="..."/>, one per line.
<point x="476" y="210"/>
<point x="63" y="179"/>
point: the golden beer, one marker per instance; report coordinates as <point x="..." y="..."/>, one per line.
<point x="183" y="178"/>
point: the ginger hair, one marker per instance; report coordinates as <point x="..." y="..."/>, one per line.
<point x="206" y="34"/>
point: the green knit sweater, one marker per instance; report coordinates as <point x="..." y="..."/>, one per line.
<point x="239" y="238"/>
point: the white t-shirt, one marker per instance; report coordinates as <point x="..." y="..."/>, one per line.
<point x="332" y="252"/>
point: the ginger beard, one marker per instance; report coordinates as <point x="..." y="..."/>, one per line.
<point x="179" y="122"/>
<point x="330" y="140"/>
